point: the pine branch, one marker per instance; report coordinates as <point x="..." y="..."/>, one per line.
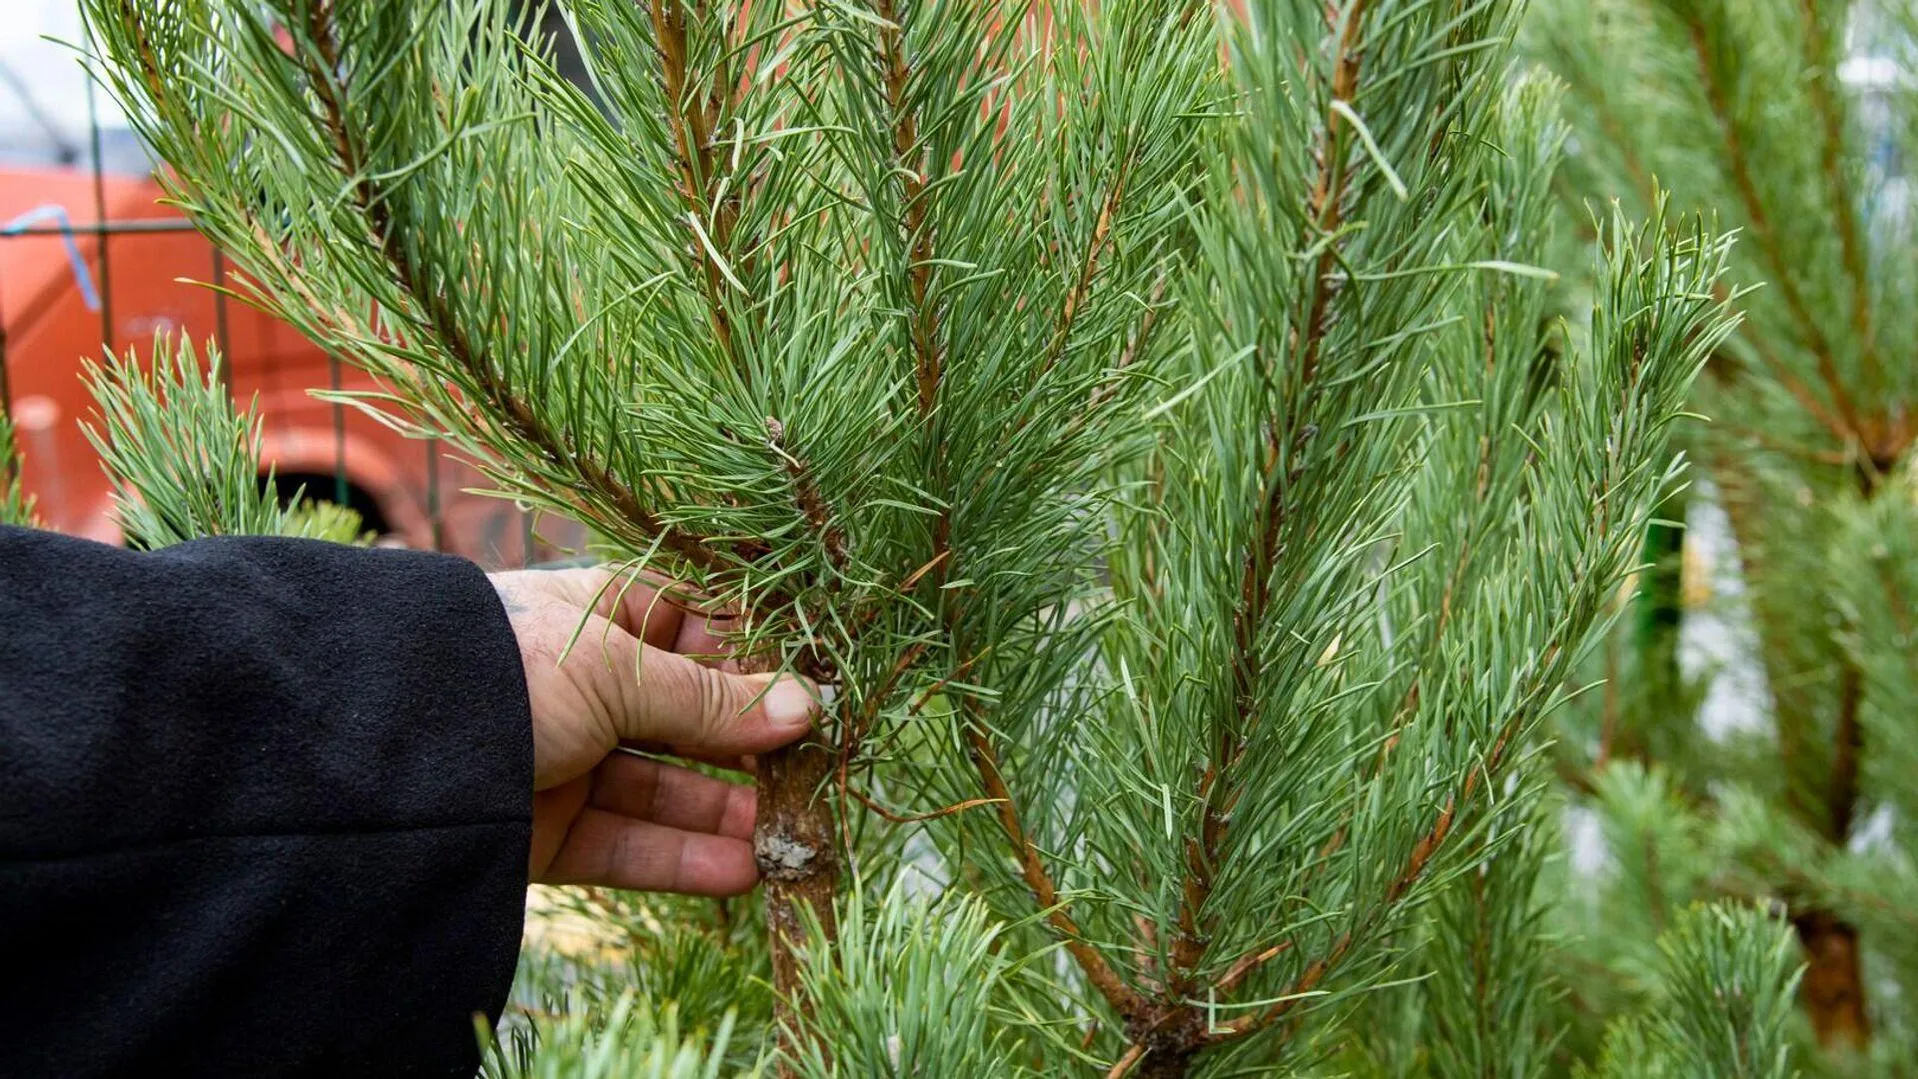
<point x="812" y="505"/>
<point x="1126" y="1062"/>
<point x="184" y="463"/>
<point x="925" y="337"/>
<point x="796" y="849"/>
<point x="852" y="738"/>
<point x="1243" y="967"/>
<point x="927" y="352"/>
<point x="1821" y="72"/>
<point x="1214" y="792"/>
<point x="691" y="122"/>
<point x="1123" y="998"/>
<point x="16" y="508"/>
<point x="924" y="331"/>
<point x="514" y="411"/>
<point x="1417" y="862"/>
<point x="1841" y="792"/>
<point x="1763" y="233"/>
<point x="1629" y="344"/>
<point x="1109" y="208"/>
<point x="1328" y="193"/>
<point x="794" y="835"/>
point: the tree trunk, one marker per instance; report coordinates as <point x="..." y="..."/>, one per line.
<point x="793" y="843"/>
<point x="1173" y="1033"/>
<point x="1833" y="990"/>
<point x="1165" y="1064"/>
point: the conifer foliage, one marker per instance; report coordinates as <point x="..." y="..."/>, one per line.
<point x="1144" y="418"/>
<point x="1757" y="108"/>
<point x="185" y="464"/>
<point x="16" y="507"/>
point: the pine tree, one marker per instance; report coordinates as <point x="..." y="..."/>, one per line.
<point x="1146" y="420"/>
<point x="1745" y="106"/>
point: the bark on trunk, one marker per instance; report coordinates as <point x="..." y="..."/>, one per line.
<point x="1165" y="1064"/>
<point x="793" y="843"/>
<point x="1833" y="990"/>
<point x="1172" y="1034"/>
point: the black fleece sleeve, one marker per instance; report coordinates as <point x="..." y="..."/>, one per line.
<point x="264" y="809"/>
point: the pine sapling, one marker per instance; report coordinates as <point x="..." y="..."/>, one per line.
<point x="1141" y="417"/>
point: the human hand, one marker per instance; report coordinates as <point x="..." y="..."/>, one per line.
<point x="603" y="816"/>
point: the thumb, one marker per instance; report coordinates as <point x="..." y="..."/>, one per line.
<point x="702" y="710"/>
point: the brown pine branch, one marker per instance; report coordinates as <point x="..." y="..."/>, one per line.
<point x="1763" y="232"/>
<point x="794" y="838"/>
<point x="896" y="817"/>
<point x="1827" y="101"/>
<point x="149" y="62"/>
<point x="692" y="121"/>
<point x="1215" y="792"/>
<point x="1841" y="790"/>
<point x="855" y="733"/>
<point x="929" y="367"/>
<point x="927" y="352"/>
<point x="1246" y="964"/>
<point x="1833" y="988"/>
<point x="794" y="847"/>
<point x="1075" y="298"/>
<point x="1122" y="997"/>
<point x="1328" y="196"/>
<point x="1165" y="1041"/>
<point x="1124" y="1065"/>
<point x="812" y="505"/>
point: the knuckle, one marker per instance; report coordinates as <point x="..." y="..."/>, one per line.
<point x="714" y="696"/>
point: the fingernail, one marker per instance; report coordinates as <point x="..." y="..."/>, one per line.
<point x="789" y="704"/>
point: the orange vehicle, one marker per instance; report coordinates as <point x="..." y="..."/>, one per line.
<point x="60" y="301"/>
